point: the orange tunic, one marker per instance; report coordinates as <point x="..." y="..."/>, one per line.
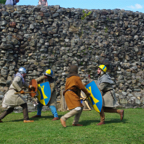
<point x="73" y="99"/>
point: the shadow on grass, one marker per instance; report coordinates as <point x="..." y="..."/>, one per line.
<point x="116" y="121"/>
<point x="88" y="122"/>
<point x="47" y="117"/>
<point x="35" y="119"/>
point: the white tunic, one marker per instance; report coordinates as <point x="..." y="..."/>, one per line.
<point x="10" y="2"/>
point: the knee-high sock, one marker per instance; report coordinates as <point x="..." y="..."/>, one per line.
<point x="53" y="110"/>
<point x="25" y="111"/>
<point x="102" y="115"/>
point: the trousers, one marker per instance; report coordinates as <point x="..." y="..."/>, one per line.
<point x="52" y="108"/>
<point x="71" y="113"/>
<point x="10" y="110"/>
<point x="109" y="110"/>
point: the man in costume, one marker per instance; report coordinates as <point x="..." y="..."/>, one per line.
<point x="11" y="2"/>
<point x="48" y="76"/>
<point x="43" y="2"/>
<point x="72" y="91"/>
<point x="12" y="100"/>
<point x="109" y="100"/>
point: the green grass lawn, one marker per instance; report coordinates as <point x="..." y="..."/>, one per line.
<point x="46" y="131"/>
<point x="2" y="1"/>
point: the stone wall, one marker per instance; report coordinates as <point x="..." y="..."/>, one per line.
<point x="39" y="38"/>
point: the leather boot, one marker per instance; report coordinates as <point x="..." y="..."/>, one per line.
<point x="121" y="114"/>
<point x="28" y="121"/>
<point x="101" y="123"/>
<point x="63" y="122"/>
<point x="56" y="118"/>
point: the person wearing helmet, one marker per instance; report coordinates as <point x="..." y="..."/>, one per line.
<point x="12" y="100"/>
<point x="109" y="100"/>
<point x="48" y="76"/>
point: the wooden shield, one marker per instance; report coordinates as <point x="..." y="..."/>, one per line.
<point x="95" y="97"/>
<point x="33" y="82"/>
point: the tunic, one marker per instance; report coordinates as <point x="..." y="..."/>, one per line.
<point x="52" y="101"/>
<point x="10" y="2"/>
<point x="105" y="86"/>
<point x="10" y="98"/>
<point x="74" y="83"/>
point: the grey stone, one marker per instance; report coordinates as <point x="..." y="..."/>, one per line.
<point x="55" y="15"/>
<point x="137" y="101"/>
<point x="142" y="100"/>
<point x="142" y="59"/>
<point x="5" y="13"/>
<point x="123" y="101"/>
<point x="3" y="23"/>
<point x="130" y="95"/>
<point x="33" y="43"/>
<point x="137" y="90"/>
<point x="4" y="72"/>
<point x="57" y="6"/>
<point x="31" y="26"/>
<point x="1" y="97"/>
<point x="6" y="46"/>
<point x="124" y="93"/>
<point x="136" y="94"/>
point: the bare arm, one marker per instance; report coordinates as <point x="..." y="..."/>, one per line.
<point x="39" y="3"/>
<point x="46" y="3"/>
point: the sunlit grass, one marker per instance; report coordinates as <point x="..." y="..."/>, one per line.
<point x="44" y="130"/>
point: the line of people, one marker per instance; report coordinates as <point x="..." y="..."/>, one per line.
<point x="72" y="91"/>
<point x="14" y="2"/>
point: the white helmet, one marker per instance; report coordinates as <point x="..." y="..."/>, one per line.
<point x="22" y="70"/>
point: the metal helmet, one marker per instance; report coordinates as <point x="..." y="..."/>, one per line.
<point x="49" y="72"/>
<point x="22" y="70"/>
<point x="103" y="68"/>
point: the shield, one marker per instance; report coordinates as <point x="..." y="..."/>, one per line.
<point x="44" y="93"/>
<point x="95" y="97"/>
<point x="33" y="82"/>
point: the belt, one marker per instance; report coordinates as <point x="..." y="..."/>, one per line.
<point x="69" y="90"/>
<point x="13" y="89"/>
<point x="108" y="90"/>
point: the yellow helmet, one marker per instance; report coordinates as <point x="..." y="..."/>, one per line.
<point x="49" y="72"/>
<point x="103" y="67"/>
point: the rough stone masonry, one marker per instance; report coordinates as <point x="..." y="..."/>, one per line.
<point x="39" y="38"/>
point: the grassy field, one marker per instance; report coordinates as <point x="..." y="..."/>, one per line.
<point x="2" y="1"/>
<point x="46" y="131"/>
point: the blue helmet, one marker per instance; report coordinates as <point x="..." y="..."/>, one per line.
<point x="49" y="72"/>
<point x="22" y="70"/>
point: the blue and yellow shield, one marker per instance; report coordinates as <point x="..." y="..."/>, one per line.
<point x="44" y="93"/>
<point x="95" y="97"/>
